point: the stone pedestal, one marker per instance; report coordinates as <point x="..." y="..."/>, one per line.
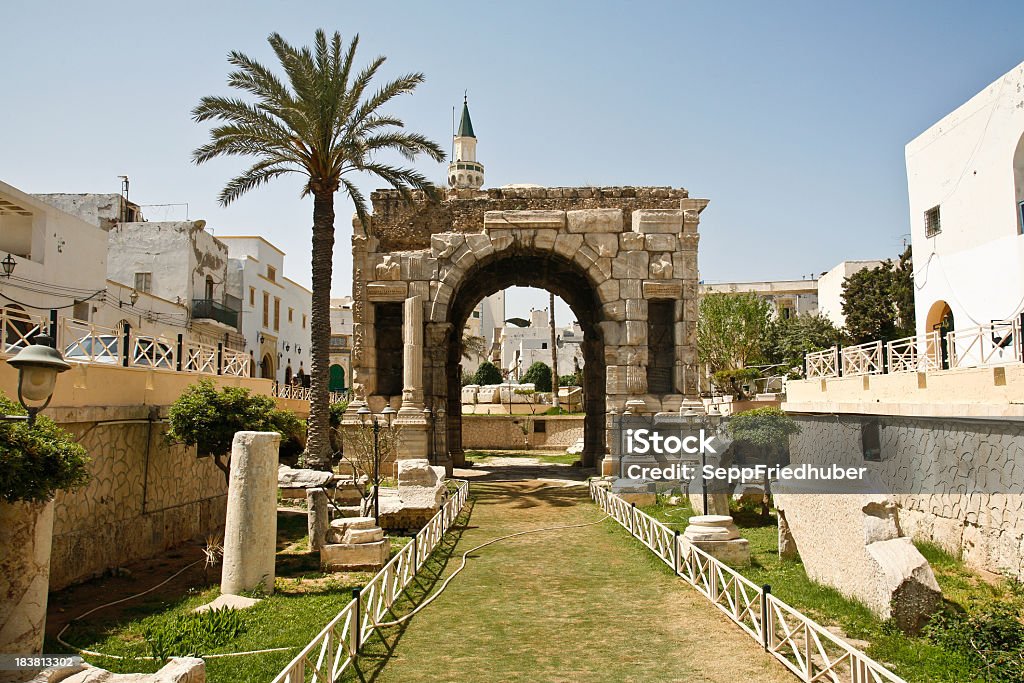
<point x="355" y="543"/>
<point x="250" y="529"/>
<point x="718" y="536"/>
<point x="26" y="532"/>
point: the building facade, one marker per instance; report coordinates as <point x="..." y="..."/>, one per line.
<point x="521" y="347"/>
<point x="341" y="344"/>
<point x="787" y="297"/>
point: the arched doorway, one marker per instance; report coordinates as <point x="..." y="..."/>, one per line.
<point x="940" y="320"/>
<point x="566" y="280"/>
<point x="288" y="375"/>
<point x="267" y="369"/>
<point x="337" y="378"/>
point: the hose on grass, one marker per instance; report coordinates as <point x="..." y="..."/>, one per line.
<point x="465" y="556"/>
<point x="91" y="653"/>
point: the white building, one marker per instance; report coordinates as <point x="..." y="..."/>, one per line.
<point x="275" y="310"/>
<point x="830" y="288"/>
<point x="965" y="177"/>
<point x="486" y="322"/>
<point x="521" y="347"/>
<point x="787" y="297"/>
<point x="341" y="344"/>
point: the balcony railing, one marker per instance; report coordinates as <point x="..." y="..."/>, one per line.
<point x="215" y="310"/>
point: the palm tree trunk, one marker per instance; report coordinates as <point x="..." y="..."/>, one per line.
<point x="318" y="443"/>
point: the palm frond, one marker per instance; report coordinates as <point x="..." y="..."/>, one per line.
<point x="254" y="176"/>
<point x="360" y="203"/>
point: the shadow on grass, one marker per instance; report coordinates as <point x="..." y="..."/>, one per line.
<point x="379" y="648"/>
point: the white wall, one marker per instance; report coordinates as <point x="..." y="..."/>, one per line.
<point x="830" y="289"/>
<point x="964" y="165"/>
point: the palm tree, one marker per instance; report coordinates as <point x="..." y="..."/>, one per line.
<point x="323" y="123"/>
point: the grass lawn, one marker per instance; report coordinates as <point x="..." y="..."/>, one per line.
<point x="304" y="600"/>
<point x="543" y="457"/>
<point x="912" y="657"/>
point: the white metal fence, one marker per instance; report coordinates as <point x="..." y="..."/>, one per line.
<point x="300" y="393"/>
<point x="805" y="647"/>
<point x="996" y="343"/>
<point x="337" y="645"/>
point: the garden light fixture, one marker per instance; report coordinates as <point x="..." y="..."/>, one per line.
<point x="38" y="365"/>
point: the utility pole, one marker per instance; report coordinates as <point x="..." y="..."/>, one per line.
<point x="554" y="354"/>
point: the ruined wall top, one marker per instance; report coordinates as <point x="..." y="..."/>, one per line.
<point x="406" y="226"/>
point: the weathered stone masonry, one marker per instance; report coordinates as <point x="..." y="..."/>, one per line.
<point x="608" y="252"/>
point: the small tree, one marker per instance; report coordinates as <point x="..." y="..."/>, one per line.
<point x="766" y="428"/>
<point x="539" y="374"/>
<point x="879" y="302"/>
<point x="731" y="329"/>
<point x="208" y="419"/>
<point x="37" y="461"/>
<point x="789" y="339"/>
<point x="359" y="455"/>
<point x="487" y="373"/>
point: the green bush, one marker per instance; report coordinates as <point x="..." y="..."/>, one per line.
<point x="193" y="634"/>
<point x="989" y="633"/>
<point x="766" y="427"/>
<point x="539" y="375"/>
<point x="573" y="380"/>
<point x="487" y="373"/>
<point x="37" y="461"/>
<point x="208" y="419"/>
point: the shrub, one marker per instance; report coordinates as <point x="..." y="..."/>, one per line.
<point x="539" y="375"/>
<point x="767" y="427"/>
<point x="990" y="633"/>
<point x="37" y="461"/>
<point x="208" y="419"/>
<point x="732" y="380"/>
<point x="487" y="373"/>
<point x="573" y="380"/>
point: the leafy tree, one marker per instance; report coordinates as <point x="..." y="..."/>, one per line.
<point x="731" y="329"/>
<point x="487" y="373"/>
<point x="790" y="338"/>
<point x="324" y="123"/>
<point x="879" y="302"/>
<point x="732" y="380"/>
<point x="539" y="374"/>
<point x="37" y="461"/>
<point x="208" y="419"/>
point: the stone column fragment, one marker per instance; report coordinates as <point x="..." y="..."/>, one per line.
<point x="250" y="530"/>
<point x="317" y="517"/>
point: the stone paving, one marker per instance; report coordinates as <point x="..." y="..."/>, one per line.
<point x="584" y="604"/>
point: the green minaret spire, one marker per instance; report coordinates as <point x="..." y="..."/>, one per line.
<point x="466" y="125"/>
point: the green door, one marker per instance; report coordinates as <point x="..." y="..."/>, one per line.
<point x="337" y="379"/>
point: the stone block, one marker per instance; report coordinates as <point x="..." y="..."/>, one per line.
<point x="609" y="290"/>
<point x="544" y="240"/>
<point x="594" y="220"/>
<point x="355" y="556"/>
<point x="735" y="553"/>
<point x="615" y="310"/>
<point x="602" y="243"/>
<point x="636" y="309"/>
<point x="630" y="289"/>
<point x="668" y="289"/>
<point x="480" y="245"/>
<point x="387" y="291"/>
<point x="631" y="241"/>
<point x="601" y="270"/>
<point x="177" y="670"/>
<point x="647" y="221"/>
<point x="631" y="264"/>
<point x="227" y="601"/>
<point x="860" y="551"/>
<point x="357" y="536"/>
<point x="661" y="242"/>
<point x="611" y="332"/>
<point x="661" y="267"/>
<point x="524" y="219"/>
<point x="636" y="332"/>
<point x="443" y="245"/>
<point x="295" y="478"/>
<point x="566" y="245"/>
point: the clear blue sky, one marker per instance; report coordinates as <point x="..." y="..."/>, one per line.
<point x="790" y="117"/>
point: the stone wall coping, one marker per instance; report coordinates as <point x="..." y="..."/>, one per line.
<point x="946" y="410"/>
<point x="653" y="191"/>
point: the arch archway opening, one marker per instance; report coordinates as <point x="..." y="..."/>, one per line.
<point x="267" y="369"/>
<point x="571" y="285"/>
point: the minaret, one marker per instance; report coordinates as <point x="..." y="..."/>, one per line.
<point x="465" y="172"/>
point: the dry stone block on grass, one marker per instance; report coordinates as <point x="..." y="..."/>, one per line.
<point x="177" y="670"/>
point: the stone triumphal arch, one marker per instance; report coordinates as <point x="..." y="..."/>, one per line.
<point x="624" y="259"/>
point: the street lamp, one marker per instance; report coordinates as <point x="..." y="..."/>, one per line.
<point x="8" y="265"/>
<point x="363" y="413"/>
<point x="38" y="365"/>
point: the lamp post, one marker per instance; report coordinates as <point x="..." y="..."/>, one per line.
<point x="8" y="265"/>
<point x="363" y="413"/>
<point x="38" y="365"/>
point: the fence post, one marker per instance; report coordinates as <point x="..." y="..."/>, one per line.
<point x="357" y="624"/>
<point x="632" y="517"/>
<point x="839" y="361"/>
<point x="766" y="590"/>
<point x="126" y="349"/>
<point x="181" y="348"/>
<point x="415" y="555"/>
<point x="675" y="552"/>
<point x="53" y="327"/>
<point x="220" y="358"/>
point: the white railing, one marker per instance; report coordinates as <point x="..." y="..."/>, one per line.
<point x="17" y="330"/>
<point x="863" y="359"/>
<point x="235" y="363"/>
<point x="85" y="342"/>
<point x="823" y="363"/>
<point x="153" y="352"/>
<point x="996" y="343"/>
<point x="299" y="393"/>
<point x="805" y="647"/>
<point x="199" y="357"/>
<point x="920" y="353"/>
<point x="337" y="646"/>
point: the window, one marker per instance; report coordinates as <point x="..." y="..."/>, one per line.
<point x="871" y="440"/>
<point x="277" y="313"/>
<point x="1020" y="212"/>
<point x="540" y="426"/>
<point x="661" y="349"/>
<point x="252" y="297"/>
<point x="266" y="310"/>
<point x="543" y="345"/>
<point x="303" y="321"/>
<point x="81" y="310"/>
<point x="272" y="273"/>
<point x="932" y="222"/>
<point x="144" y="282"/>
<point x="476" y="314"/>
<point x="209" y="288"/>
<point x="291" y="313"/>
